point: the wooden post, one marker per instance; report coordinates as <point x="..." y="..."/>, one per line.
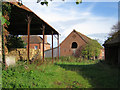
<point x="58" y="47"/>
<point x="3" y="47"/>
<point x="52" y="46"/>
<point x="28" y="45"/>
<point x="43" y="39"/>
<point x="40" y="49"/>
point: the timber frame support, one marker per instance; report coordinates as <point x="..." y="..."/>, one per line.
<point x="58" y="47"/>
<point x="52" y="46"/>
<point x="29" y="18"/>
<point x="43" y="39"/>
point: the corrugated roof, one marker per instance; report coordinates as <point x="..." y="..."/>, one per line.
<point x="18" y="24"/>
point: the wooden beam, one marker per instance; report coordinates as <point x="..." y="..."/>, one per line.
<point x="43" y="39"/>
<point x="28" y="32"/>
<point x="58" y="47"/>
<point x="52" y="46"/>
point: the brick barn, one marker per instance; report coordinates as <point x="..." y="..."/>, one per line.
<point x="71" y="46"/>
<point x="72" y="43"/>
<point x="36" y="42"/>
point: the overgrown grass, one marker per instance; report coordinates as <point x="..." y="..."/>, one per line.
<point x="62" y="74"/>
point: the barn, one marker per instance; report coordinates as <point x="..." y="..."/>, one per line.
<point x="112" y="50"/>
<point x="72" y="43"/>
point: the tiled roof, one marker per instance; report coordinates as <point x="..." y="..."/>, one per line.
<point x="34" y="39"/>
<point x="85" y="38"/>
<point x="82" y="36"/>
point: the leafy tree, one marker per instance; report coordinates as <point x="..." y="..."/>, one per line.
<point x="91" y="50"/>
<point x="14" y="42"/>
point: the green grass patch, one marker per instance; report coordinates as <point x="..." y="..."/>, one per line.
<point x="84" y="74"/>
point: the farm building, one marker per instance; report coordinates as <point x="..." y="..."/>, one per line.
<point x="72" y="45"/>
<point x="36" y="42"/>
<point x="112" y="50"/>
<point x="24" y="21"/>
<point x="102" y="54"/>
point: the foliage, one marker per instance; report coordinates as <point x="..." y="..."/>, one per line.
<point x="45" y="2"/>
<point x="65" y="58"/>
<point x="86" y="74"/>
<point x="4" y="18"/>
<point x="14" y="42"/>
<point x="6" y="10"/>
<point x="91" y="50"/>
<point x="115" y="29"/>
<point x="114" y="32"/>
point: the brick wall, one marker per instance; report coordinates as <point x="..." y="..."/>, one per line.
<point x="102" y="53"/>
<point x="34" y="45"/>
<point x="40" y="47"/>
<point x="65" y="46"/>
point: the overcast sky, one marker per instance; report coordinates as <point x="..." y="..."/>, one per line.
<point x="87" y="18"/>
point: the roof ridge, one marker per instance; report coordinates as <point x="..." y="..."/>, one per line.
<point x="81" y="35"/>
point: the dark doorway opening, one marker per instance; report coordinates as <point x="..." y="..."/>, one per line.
<point x="74" y="45"/>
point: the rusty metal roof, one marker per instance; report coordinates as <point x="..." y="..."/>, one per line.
<point x="18" y="23"/>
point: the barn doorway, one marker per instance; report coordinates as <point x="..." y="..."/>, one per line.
<point x="74" y="45"/>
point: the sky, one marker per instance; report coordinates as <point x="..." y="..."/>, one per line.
<point x="87" y="17"/>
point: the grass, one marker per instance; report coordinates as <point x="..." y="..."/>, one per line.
<point x="84" y="74"/>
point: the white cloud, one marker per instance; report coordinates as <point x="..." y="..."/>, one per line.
<point x="64" y="20"/>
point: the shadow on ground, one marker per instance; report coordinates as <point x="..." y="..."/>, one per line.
<point x="99" y="75"/>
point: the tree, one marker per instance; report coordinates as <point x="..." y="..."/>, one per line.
<point x="14" y="42"/>
<point x="91" y="49"/>
<point x="114" y="32"/>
